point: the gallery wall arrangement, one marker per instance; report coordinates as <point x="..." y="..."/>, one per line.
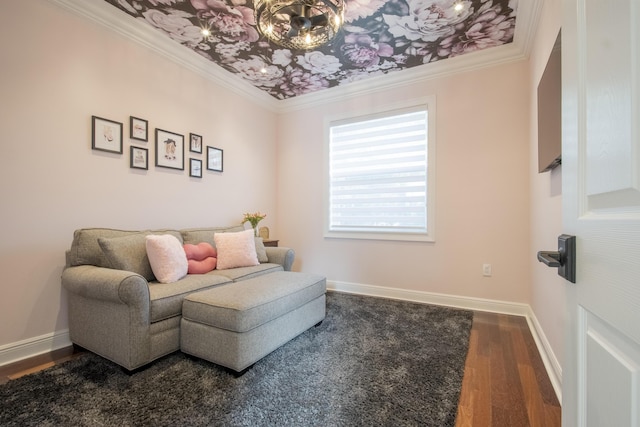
<point x="169" y="147"/>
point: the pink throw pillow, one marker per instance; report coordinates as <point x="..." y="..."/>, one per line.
<point x="202" y="266"/>
<point x="236" y="249"/>
<point x="201" y="257"/>
<point x="200" y="251"/>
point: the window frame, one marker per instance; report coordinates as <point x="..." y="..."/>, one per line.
<point x="429" y="105"/>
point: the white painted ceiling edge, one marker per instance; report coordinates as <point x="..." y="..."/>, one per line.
<point x="111" y="17"/>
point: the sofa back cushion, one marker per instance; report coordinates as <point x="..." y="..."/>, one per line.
<point x="196" y="235"/>
<point x="86" y="249"/>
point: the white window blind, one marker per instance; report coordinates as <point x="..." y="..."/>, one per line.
<point x="378" y="174"/>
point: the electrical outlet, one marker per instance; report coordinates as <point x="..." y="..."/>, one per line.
<point x="486" y="270"/>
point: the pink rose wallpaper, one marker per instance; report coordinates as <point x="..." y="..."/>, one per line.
<point x="378" y="37"/>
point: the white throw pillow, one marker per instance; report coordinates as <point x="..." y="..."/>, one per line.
<point x="167" y="257"/>
<point x="236" y="249"/>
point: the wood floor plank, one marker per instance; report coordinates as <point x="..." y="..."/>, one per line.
<point x="464" y="416"/>
<point x="480" y="388"/>
<point x="544" y="383"/>
<point x="552" y="415"/>
<point x="482" y="408"/>
<point x="533" y="400"/>
<point x="517" y="402"/>
<point x="34" y="364"/>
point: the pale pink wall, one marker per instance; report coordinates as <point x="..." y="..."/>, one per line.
<point x="59" y="69"/>
<point x="547" y="289"/>
<point x="482" y="192"/>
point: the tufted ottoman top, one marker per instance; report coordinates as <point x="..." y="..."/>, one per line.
<point x="247" y="304"/>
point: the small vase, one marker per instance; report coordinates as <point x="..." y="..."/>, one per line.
<point x="255" y="231"/>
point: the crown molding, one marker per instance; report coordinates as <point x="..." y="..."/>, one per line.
<point x="131" y="28"/>
<point x="114" y="19"/>
<point x="448" y="67"/>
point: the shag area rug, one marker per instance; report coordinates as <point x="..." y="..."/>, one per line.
<point x="372" y="362"/>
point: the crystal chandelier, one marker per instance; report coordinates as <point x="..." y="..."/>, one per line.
<point x="299" y="24"/>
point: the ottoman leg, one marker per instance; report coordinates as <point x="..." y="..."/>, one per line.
<point x="241" y="373"/>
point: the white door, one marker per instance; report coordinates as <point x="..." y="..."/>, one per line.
<point x="601" y="207"/>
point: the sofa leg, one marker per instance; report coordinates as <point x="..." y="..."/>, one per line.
<point x="318" y="324"/>
<point x="241" y="373"/>
<point x="135" y="370"/>
<point x="78" y="349"/>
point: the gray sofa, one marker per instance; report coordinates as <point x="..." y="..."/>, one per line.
<point x="117" y="309"/>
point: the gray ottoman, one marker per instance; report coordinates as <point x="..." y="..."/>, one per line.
<point x="237" y="324"/>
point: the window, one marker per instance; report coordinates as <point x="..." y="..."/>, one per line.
<point x="380" y="173"/>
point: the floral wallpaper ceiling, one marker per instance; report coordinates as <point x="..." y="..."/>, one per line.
<point x="378" y="37"/>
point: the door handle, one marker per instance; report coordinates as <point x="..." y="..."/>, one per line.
<point x="549" y="258"/>
<point x="564" y="258"/>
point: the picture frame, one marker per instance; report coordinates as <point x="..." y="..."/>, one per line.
<point x="106" y="135"/>
<point x="169" y="149"/>
<point x="195" y="168"/>
<point x="138" y="129"/>
<point x="214" y="159"/>
<point x="139" y="158"/>
<point x="195" y="143"/>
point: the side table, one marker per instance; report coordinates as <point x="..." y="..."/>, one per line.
<point x="270" y="242"/>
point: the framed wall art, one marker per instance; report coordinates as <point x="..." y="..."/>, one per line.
<point x="139" y="158"/>
<point x="195" y="168"/>
<point x="106" y="135"/>
<point x="214" y="159"/>
<point x="195" y="143"/>
<point x="138" y="129"/>
<point x="169" y="149"/>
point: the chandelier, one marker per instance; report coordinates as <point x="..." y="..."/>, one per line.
<point x="299" y="24"/>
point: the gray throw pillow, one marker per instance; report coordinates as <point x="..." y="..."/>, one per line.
<point x="128" y="253"/>
<point x="261" y="251"/>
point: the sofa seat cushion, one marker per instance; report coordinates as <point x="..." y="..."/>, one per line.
<point x="166" y="298"/>
<point x="245" y="305"/>
<point x="243" y="273"/>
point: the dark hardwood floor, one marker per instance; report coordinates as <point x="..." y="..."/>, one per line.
<point x="505" y="383"/>
<point x="37" y="363"/>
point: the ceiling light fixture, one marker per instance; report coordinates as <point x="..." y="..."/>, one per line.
<point x="299" y="24"/>
<point x="207" y="35"/>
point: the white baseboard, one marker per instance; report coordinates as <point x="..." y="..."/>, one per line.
<point x="551" y="363"/>
<point x="479" y="304"/>
<point x="549" y="359"/>
<point x="17" y="351"/>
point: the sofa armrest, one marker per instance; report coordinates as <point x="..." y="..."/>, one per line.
<point x="281" y="255"/>
<point x="107" y="284"/>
